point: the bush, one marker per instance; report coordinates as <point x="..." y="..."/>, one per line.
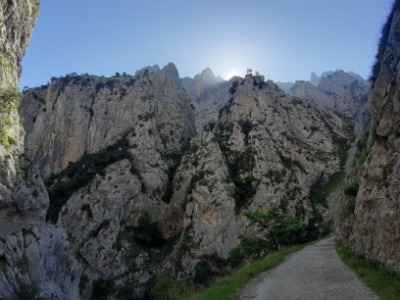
<point x="102" y="289"/>
<point x="249" y="248"/>
<point x="147" y="232"/>
<point x="281" y="229"/>
<point x="244" y="190"/>
<point x="203" y="272"/>
<point x="352" y="190"/>
<point x="9" y="99"/>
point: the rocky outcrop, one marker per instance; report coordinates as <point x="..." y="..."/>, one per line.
<point x="35" y="257"/>
<point x="342" y="92"/>
<point x="368" y="211"/>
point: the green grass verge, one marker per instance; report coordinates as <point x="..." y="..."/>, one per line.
<point x="226" y="287"/>
<point x="385" y="283"/>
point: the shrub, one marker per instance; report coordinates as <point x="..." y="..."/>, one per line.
<point x="102" y="288"/>
<point x="147" y="232"/>
<point x="4" y="138"/>
<point x="244" y="190"/>
<point x="352" y="190"/>
<point x="9" y="99"/>
<point x="249" y="248"/>
<point x="203" y="272"/>
<point x="280" y="229"/>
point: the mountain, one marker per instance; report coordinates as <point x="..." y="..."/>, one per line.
<point x="128" y="176"/>
<point x="368" y="208"/>
<point x="344" y="93"/>
<point x="208" y="94"/>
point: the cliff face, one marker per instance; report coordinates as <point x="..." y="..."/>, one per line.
<point x="83" y="114"/>
<point x="17" y="19"/>
<point x="342" y="92"/>
<point x="140" y="194"/>
<point x="35" y="257"/>
<point x="370" y="209"/>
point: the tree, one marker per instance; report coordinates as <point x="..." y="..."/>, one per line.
<point x="281" y="229"/>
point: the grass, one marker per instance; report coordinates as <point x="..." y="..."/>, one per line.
<point x="167" y="288"/>
<point x="227" y="287"/>
<point x="384" y="282"/>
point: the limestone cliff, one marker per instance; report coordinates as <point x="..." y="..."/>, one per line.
<point x="369" y="207"/>
<point x="35" y="258"/>
<point x="78" y="115"/>
<point x="342" y="92"/>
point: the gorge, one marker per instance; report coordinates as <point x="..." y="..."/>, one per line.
<point x="109" y="183"/>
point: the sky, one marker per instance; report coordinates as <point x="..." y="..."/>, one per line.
<point x="284" y="40"/>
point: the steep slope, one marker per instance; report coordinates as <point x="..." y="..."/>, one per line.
<point x="369" y="210"/>
<point x="140" y="194"/>
<point x="342" y="92"/>
<point x="35" y="257"/>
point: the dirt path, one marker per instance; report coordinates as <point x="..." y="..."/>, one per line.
<point x="314" y="273"/>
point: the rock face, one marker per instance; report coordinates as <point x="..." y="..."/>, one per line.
<point x="83" y="114"/>
<point x="368" y="214"/>
<point x="35" y="257"/>
<point x="140" y="194"/>
<point x="342" y="92"/>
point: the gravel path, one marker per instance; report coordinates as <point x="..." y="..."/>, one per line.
<point x="314" y="273"/>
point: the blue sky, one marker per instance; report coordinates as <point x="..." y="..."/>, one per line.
<point x="284" y="40"/>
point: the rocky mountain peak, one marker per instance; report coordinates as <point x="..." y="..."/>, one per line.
<point x="340" y="91"/>
<point x="150" y="69"/>
<point x="314" y="79"/>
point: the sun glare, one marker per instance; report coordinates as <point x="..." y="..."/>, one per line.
<point x="232" y="74"/>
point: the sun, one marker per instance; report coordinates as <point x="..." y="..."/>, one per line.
<point x="232" y="74"/>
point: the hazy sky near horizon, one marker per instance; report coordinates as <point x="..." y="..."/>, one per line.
<point x="285" y="40"/>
